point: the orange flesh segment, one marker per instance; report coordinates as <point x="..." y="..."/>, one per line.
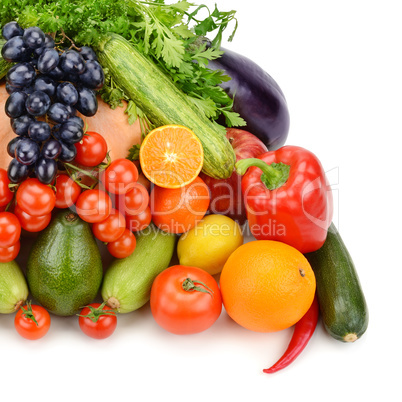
<point x="171" y="156"/>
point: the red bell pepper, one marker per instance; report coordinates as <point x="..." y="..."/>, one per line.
<point x="287" y="197"/>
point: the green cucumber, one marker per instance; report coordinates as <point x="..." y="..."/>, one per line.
<point x="342" y="303"/>
<point x="163" y="103"/>
<point x="127" y="282"/>
<point x="13" y="287"/>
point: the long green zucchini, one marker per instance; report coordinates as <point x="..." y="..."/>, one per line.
<point x="157" y="96"/>
<point x="4" y="65"/>
<point x="342" y="303"/>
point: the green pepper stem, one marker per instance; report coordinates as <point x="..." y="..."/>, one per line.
<point x="273" y="176"/>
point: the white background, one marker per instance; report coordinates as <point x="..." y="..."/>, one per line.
<point x="339" y="65"/>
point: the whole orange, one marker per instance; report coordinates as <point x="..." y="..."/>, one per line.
<point x="177" y="210"/>
<point x="267" y="285"/>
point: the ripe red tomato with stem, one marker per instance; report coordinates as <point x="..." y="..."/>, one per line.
<point x="97" y="320"/>
<point x="93" y="205"/>
<point x="32" y="321"/>
<point x="139" y="222"/>
<point x="67" y="191"/>
<point x="91" y="150"/>
<point x="111" y="228"/>
<point x="120" y="176"/>
<point x="123" y="246"/>
<point x="35" y="198"/>
<point x="8" y="254"/>
<point x="31" y="223"/>
<point x="6" y="195"/>
<point x="185" y="300"/>
<point x="10" y="229"/>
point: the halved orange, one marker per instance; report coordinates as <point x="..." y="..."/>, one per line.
<point x="171" y="156"/>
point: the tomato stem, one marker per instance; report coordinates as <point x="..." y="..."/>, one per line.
<point x="97" y="312"/>
<point x="190" y="286"/>
<point x="28" y="313"/>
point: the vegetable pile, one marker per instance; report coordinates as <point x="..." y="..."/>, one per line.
<point x="210" y="165"/>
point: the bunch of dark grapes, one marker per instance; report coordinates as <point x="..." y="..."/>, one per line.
<point x="46" y="87"/>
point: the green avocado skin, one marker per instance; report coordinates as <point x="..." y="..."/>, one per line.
<point x="64" y="269"/>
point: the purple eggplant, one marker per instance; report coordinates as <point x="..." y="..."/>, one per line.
<point x="257" y="98"/>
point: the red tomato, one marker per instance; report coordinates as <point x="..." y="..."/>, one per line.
<point x="139" y="222"/>
<point x="10" y="229"/>
<point x="97" y="321"/>
<point x="134" y="201"/>
<point x="91" y="150"/>
<point x="67" y="191"/>
<point x="8" y="254"/>
<point x="35" y="198"/>
<point x="6" y="195"/>
<point x="185" y="300"/>
<point x="120" y="176"/>
<point x="93" y="205"/>
<point x="31" y="223"/>
<point x="32" y="321"/>
<point x="123" y="246"/>
<point x="111" y="228"/>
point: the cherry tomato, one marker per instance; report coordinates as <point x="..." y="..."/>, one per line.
<point x="97" y="321"/>
<point x="134" y="201"/>
<point x="91" y="150"/>
<point x="8" y="254"/>
<point x="10" y="229"/>
<point x="31" y="223"/>
<point x="185" y="300"/>
<point x="139" y="222"/>
<point x="120" y="176"/>
<point x="67" y="191"/>
<point x="123" y="246"/>
<point x="6" y="195"/>
<point x="35" y="198"/>
<point x="93" y="205"/>
<point x="32" y="321"/>
<point x="111" y="228"/>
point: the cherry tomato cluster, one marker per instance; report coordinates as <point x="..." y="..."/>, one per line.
<point x="115" y="204"/>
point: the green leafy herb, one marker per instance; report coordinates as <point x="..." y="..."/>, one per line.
<point x="173" y="36"/>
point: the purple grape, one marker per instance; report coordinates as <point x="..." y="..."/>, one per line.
<point x="72" y="62"/>
<point x="70" y="132"/>
<point x="39" y="131"/>
<point x="34" y="37"/>
<point x="27" y="151"/>
<point x="21" y="75"/>
<point x="15" y="50"/>
<point x="38" y="103"/>
<point x="87" y="103"/>
<point x="45" y="84"/>
<point x="93" y="77"/>
<point x="51" y="149"/>
<point x="12" y="145"/>
<point x="45" y="170"/>
<point x="67" y="94"/>
<point x="17" y="172"/>
<point x="58" y="113"/>
<point x="11" y="29"/>
<point x="48" y="60"/>
<point x="20" y="125"/>
<point x="68" y="152"/>
<point x="15" y="104"/>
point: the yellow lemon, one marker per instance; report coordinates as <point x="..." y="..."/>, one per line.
<point x="209" y="244"/>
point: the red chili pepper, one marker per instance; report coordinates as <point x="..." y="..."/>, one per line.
<point x="287" y="197"/>
<point x="303" y="331"/>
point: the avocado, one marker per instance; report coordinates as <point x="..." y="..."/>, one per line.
<point x="64" y="268"/>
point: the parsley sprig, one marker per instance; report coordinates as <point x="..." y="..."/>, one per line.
<point x="171" y="35"/>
